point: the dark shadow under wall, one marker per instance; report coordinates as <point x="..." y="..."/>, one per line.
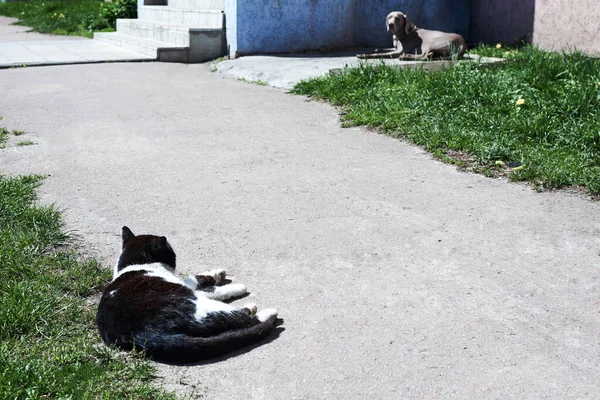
<point x="443" y="15"/>
<point x="501" y="21"/>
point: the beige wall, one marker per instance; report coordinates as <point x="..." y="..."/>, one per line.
<point x="551" y="24"/>
<point x="567" y="25"/>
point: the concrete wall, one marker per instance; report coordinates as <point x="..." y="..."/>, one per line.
<point x="567" y="25"/>
<point x="502" y="21"/>
<point x="281" y="26"/>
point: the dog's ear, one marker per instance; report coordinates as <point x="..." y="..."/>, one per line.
<point x="408" y="25"/>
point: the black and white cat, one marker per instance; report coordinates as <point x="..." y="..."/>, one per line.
<point x="149" y="307"/>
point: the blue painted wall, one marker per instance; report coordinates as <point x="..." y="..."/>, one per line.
<point x="283" y="26"/>
<point x="275" y="26"/>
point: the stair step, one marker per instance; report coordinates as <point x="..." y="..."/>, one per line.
<point x="198" y="4"/>
<point x="187" y="16"/>
<point x="141" y="45"/>
<point x="162" y="32"/>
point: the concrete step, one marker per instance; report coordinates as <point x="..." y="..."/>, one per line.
<point x="193" y="17"/>
<point x="154" y="30"/>
<point x="205" y="45"/>
<point x="145" y="46"/>
<point x="198" y="4"/>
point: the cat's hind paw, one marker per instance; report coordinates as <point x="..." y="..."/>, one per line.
<point x="266" y="314"/>
<point x="250" y="308"/>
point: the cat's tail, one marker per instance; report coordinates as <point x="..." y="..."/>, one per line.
<point x="181" y="348"/>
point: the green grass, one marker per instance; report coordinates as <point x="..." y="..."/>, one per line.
<point x="3" y="137"/>
<point x="4" y="134"/>
<point x="69" y="17"/>
<point x="48" y="341"/>
<point x="539" y="110"/>
<point x="25" y="143"/>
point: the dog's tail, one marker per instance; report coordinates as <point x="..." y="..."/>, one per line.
<point x="182" y="348"/>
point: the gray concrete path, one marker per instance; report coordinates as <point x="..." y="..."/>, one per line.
<point x="397" y="276"/>
<point x="18" y="47"/>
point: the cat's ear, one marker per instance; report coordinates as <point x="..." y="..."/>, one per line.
<point x="162" y="241"/>
<point x="127" y="235"/>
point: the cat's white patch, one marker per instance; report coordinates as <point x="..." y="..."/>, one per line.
<point x="205" y="306"/>
<point x="112" y="293"/>
<point x="191" y="282"/>
<point x="160" y="270"/>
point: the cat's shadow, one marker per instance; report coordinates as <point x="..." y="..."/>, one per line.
<point x="274" y="335"/>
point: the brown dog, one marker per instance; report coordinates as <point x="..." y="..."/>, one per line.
<point x="413" y="43"/>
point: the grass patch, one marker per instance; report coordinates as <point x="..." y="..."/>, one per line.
<point x="26" y="143"/>
<point x="538" y="112"/>
<point x="3" y="137"/>
<point x="47" y="331"/>
<point x="258" y="82"/>
<point x="5" y="132"/>
<point x="69" y="17"/>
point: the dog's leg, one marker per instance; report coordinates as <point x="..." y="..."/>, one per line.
<point x="389" y="54"/>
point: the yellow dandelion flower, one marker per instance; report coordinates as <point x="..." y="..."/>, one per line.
<point x="498" y="46"/>
<point x="520" y="102"/>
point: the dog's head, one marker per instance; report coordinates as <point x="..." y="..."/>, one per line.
<point x="399" y="24"/>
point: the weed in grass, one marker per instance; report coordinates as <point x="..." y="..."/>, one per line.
<point x="539" y="109"/>
<point x="3" y="137"/>
<point x="258" y="82"/>
<point x="26" y="143"/>
<point x="16" y="132"/>
<point x="47" y="332"/>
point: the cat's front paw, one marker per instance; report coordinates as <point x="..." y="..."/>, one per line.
<point x="235" y="289"/>
<point x="218" y="275"/>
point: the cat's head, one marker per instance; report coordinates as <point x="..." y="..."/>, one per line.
<point x="145" y="249"/>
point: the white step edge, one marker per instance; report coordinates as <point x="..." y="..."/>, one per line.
<point x="186" y="16"/>
<point x="198" y="4"/>
<point x="154" y="30"/>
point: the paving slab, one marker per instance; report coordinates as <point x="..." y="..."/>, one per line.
<point x="286" y="70"/>
<point x="397" y="276"/>
<point x="19" y="47"/>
